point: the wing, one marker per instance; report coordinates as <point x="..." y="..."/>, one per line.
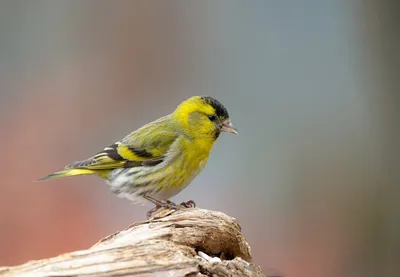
<point x="146" y="146"/>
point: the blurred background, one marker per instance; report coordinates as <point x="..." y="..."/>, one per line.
<point x="312" y="87"/>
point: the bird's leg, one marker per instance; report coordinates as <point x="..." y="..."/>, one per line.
<point x="188" y="204"/>
<point x="166" y="204"/>
<point x="163" y="203"/>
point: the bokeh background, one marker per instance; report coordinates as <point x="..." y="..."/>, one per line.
<point x="312" y="86"/>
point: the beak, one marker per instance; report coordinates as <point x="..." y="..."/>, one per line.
<point x="228" y="127"/>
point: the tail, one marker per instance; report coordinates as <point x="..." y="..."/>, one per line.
<point x="68" y="172"/>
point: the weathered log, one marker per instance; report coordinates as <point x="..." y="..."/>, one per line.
<point x="188" y="242"/>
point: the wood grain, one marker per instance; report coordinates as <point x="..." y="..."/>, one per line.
<point x="188" y="242"/>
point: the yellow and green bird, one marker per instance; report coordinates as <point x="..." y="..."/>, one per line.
<point x="160" y="159"/>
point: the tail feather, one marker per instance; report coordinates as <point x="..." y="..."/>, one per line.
<point x="68" y="172"/>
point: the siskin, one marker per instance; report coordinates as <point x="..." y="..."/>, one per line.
<point x="160" y="159"/>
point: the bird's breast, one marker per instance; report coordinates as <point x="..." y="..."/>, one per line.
<point x="195" y="158"/>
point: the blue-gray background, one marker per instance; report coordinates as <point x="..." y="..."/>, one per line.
<point x="303" y="176"/>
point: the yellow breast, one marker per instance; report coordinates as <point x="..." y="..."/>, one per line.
<point x="196" y="156"/>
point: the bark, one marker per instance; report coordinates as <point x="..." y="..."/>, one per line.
<point x="189" y="242"/>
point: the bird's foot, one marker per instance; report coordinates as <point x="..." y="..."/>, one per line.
<point x="169" y="205"/>
<point x="188" y="204"/>
<point x="152" y="211"/>
<point x="164" y="204"/>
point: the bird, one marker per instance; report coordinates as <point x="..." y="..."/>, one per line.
<point x="160" y="159"/>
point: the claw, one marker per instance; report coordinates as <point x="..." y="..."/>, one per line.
<point x="152" y="211"/>
<point x="188" y="204"/>
<point x="165" y="204"/>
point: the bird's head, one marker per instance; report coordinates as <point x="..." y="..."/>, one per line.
<point x="203" y="116"/>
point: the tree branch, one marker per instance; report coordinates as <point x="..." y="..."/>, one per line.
<point x="188" y="242"/>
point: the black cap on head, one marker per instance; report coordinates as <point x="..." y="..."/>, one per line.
<point x="220" y="110"/>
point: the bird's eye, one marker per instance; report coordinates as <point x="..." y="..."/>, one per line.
<point x="212" y="117"/>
